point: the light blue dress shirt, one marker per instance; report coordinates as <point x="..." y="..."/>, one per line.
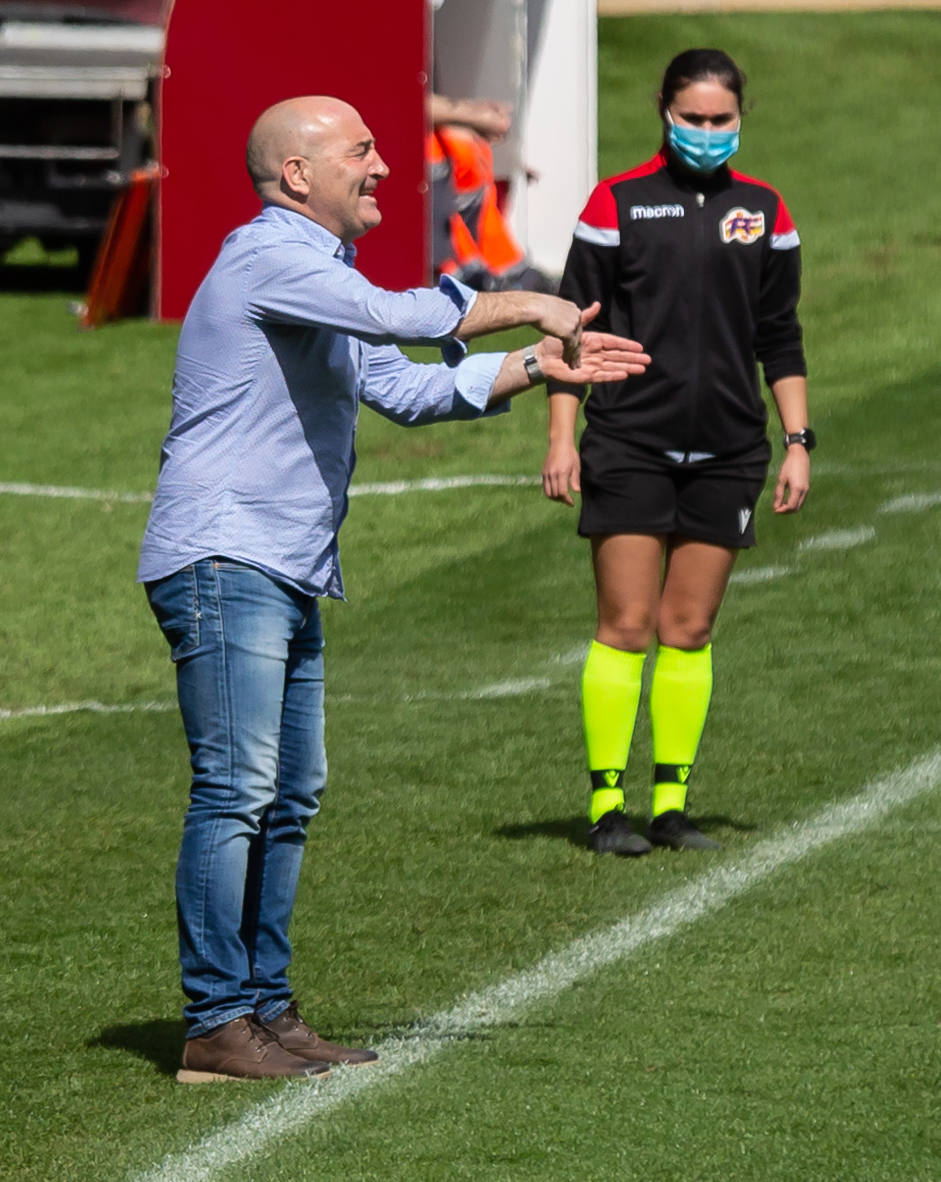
<point x="281" y="343"/>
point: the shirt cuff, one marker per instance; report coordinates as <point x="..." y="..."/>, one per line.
<point x="474" y="379"/>
<point x="463" y="297"/>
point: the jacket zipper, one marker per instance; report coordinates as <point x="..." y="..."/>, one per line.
<point x="696" y="334"/>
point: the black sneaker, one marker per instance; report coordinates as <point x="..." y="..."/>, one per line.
<point x="612" y="834"/>
<point x="674" y="829"/>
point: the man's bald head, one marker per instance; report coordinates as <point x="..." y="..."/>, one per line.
<point x="316" y="156"/>
<point x="294" y="127"/>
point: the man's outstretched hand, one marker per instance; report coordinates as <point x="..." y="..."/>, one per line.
<point x="590" y="356"/>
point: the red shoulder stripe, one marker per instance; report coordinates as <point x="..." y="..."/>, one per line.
<point x="600" y="210"/>
<point x="783" y="223"/>
<point x="650" y="166"/>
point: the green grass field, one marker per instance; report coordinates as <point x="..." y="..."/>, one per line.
<point x="789" y="1033"/>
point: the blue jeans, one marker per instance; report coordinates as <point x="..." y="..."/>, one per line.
<point x="248" y="651"/>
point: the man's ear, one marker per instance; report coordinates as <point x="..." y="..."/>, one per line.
<point x="295" y="181"/>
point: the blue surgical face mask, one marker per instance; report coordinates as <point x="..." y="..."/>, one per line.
<point x="698" y="149"/>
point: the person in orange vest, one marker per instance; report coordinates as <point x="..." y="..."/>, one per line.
<point x="470" y="236"/>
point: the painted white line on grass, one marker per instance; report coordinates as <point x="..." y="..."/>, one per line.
<point x="395" y="488"/>
<point x="574" y="656"/>
<point x="297" y="1104"/>
<point x="760" y="574"/>
<point x="505" y="689"/>
<point x="91" y="707"/>
<point x="838" y="539"/>
<point x="499" y="689"/>
<point x="831" y="468"/>
<point x="83" y="494"/>
<point x="910" y="503"/>
<point x="391" y="488"/>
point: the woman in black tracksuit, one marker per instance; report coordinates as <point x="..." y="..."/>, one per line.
<point x="701" y="264"/>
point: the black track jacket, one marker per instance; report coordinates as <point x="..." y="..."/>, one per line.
<point x="705" y="273"/>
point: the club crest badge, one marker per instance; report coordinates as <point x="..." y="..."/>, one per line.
<point x="739" y="225"/>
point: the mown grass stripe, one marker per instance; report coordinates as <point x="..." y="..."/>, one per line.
<point x="299" y="1104"/>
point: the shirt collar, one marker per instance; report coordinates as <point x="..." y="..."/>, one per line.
<point x="318" y="235"/>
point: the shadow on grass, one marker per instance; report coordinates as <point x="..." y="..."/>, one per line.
<point x="160" y="1041"/>
<point x="574" y="830"/>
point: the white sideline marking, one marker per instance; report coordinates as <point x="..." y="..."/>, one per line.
<point x="85" y="494"/>
<point x="574" y="656"/>
<point x="911" y="503"/>
<point x="298" y="1104"/>
<point x="93" y="707"/>
<point x="395" y="488"/>
<point x="835" y="540"/>
<point x="499" y="689"/>
<point x="760" y="574"/>
<point x="838" y="539"/>
<point x="392" y="488"/>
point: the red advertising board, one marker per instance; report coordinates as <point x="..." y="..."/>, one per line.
<point x="226" y="61"/>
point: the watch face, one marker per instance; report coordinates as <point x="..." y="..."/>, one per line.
<point x="805" y="437"/>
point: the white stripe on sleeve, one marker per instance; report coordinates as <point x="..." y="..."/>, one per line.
<point x="596" y="236"/>
<point x="785" y="241"/>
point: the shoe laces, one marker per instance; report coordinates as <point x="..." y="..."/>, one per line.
<point x="291" y="1012"/>
<point x="259" y="1032"/>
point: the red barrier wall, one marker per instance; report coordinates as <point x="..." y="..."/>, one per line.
<point x="226" y="60"/>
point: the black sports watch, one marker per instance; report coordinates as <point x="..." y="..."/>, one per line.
<point x="805" y="438"/>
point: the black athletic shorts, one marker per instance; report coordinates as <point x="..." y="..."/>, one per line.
<point x="629" y="490"/>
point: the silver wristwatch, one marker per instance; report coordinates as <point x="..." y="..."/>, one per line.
<point x="531" y="365"/>
<point x="806" y="438"/>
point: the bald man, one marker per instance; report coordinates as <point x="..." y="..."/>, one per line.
<point x="282" y="342"/>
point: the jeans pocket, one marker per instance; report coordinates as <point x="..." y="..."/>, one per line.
<point x="175" y="604"/>
<point x="232" y="564"/>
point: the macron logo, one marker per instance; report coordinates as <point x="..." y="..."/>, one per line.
<point x="744" y="516"/>
<point x="642" y="212"/>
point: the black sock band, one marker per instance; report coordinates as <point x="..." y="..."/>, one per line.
<point x="608" y="778"/>
<point x="671" y="773"/>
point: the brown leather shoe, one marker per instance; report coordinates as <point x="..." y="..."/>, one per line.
<point x="294" y="1035"/>
<point x="241" y="1049"/>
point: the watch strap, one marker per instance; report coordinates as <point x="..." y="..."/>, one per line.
<point x="805" y="437"/>
<point x="531" y="365"/>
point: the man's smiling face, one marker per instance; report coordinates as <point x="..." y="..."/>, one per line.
<point x="344" y="171"/>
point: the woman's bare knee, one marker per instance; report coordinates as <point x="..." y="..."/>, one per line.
<point x="685" y="632"/>
<point x="632" y="636"/>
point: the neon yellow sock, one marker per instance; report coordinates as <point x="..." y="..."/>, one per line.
<point x="679" y="702"/>
<point x="610" y="696"/>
